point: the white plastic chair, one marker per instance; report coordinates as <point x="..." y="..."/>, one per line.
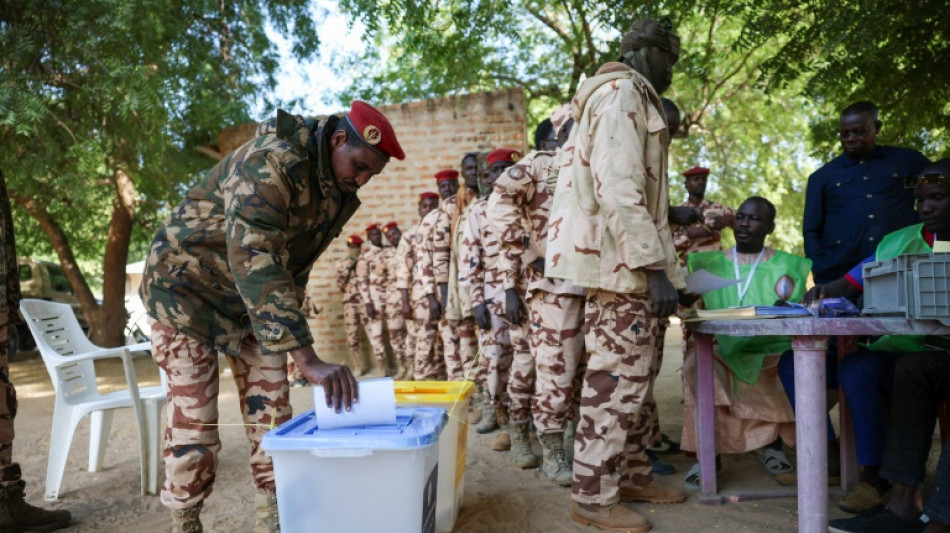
<point x="69" y="357"/>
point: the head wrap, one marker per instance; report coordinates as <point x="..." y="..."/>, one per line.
<point x="647" y="32"/>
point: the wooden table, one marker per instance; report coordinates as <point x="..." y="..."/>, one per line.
<point x="809" y="341"/>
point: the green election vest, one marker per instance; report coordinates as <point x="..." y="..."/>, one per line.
<point x="783" y="274"/>
<point x="909" y="240"/>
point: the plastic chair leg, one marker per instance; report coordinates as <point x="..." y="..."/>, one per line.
<point x="64" y="426"/>
<point x="100" y="423"/>
<point x="153" y="425"/>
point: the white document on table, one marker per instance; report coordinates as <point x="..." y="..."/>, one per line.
<point x="703" y="281"/>
<point x="376" y="406"/>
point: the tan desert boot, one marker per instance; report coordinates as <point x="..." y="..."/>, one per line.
<point x="615" y="518"/>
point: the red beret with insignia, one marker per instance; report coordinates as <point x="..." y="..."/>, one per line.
<point x="503" y="155"/>
<point x="697" y="171"/>
<point x="446" y="175"/>
<point x="375" y="130"/>
<point x="371" y="227"/>
<point x="354" y="239"/>
<point x="390" y="226"/>
<point x="428" y="196"/>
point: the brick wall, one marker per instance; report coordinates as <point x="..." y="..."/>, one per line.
<point x="434" y="134"/>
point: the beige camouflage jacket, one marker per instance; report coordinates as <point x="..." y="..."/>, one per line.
<point x="234" y="256"/>
<point x="518" y="210"/>
<point x="611" y="219"/>
<point x="459" y="305"/>
<point x="346" y="280"/>
<point x="405" y="258"/>
<point x="372" y="274"/>
<point x="391" y="283"/>
<point x="478" y="261"/>
<point x="684" y="245"/>
<point x="423" y="281"/>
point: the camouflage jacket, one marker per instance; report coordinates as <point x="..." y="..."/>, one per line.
<point x="459" y="305"/>
<point x="612" y="214"/>
<point x="478" y="261"/>
<point x="10" y="284"/>
<point x="684" y="245"/>
<point x="423" y="280"/>
<point x="441" y="241"/>
<point x="518" y="211"/>
<point x="405" y="257"/>
<point x="234" y="256"/>
<point x="346" y="280"/>
<point x="371" y="274"/>
<point x="391" y="285"/>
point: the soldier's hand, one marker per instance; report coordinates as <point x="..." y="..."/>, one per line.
<point x="698" y="231"/>
<point x="687" y="299"/>
<point x="435" y="309"/>
<point x="514" y="307"/>
<point x="538" y="265"/>
<point x="337" y="381"/>
<point x="720" y="221"/>
<point x="371" y="310"/>
<point x="482" y="317"/>
<point x="683" y="215"/>
<point x="663" y="293"/>
<point x="406" y="307"/>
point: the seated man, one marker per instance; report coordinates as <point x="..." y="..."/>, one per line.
<point x="921" y="381"/>
<point x="752" y="412"/>
<point x="865" y="376"/>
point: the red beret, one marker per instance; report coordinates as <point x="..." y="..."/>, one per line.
<point x="374" y="129"/>
<point x="429" y="195"/>
<point x="446" y="175"/>
<point x="696" y="171"/>
<point x="503" y="155"/>
<point x="371" y="227"/>
<point x="390" y="226"/>
<point x="354" y="239"/>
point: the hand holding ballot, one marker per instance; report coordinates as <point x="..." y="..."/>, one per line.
<point x="337" y="381"/>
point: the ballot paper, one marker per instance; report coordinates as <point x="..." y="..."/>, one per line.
<point x="703" y="281"/>
<point x="941" y="247"/>
<point x="376" y="406"/>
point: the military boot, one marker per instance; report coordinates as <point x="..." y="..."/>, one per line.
<point x="16" y="515"/>
<point x="265" y="514"/>
<point x="400" y="373"/>
<point x="476" y="408"/>
<point x="521" y="454"/>
<point x="554" y="465"/>
<point x="502" y="441"/>
<point x="489" y="421"/>
<point x="570" y="432"/>
<point x="186" y="520"/>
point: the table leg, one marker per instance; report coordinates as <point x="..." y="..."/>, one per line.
<point x="849" y="462"/>
<point x="811" y="433"/>
<point x="706" y="418"/>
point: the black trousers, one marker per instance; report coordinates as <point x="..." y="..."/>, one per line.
<point x="921" y="381"/>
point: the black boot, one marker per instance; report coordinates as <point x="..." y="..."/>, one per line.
<point x="17" y="516"/>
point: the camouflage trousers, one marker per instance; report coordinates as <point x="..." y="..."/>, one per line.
<point x="374" y="330"/>
<point x="614" y="429"/>
<point x="191" y="436"/>
<point x="398" y="337"/>
<point x="522" y="375"/>
<point x="410" y="346"/>
<point x="557" y="346"/>
<point x="649" y="406"/>
<point x="352" y="314"/>
<point x="497" y="349"/>
<point x="460" y="345"/>
<point x="428" y="360"/>
<point x="9" y="471"/>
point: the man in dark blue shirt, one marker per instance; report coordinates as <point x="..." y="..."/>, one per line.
<point x="857" y="198"/>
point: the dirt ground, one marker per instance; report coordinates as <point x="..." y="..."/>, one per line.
<point x="497" y="497"/>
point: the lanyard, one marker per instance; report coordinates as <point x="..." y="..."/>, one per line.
<point x="735" y="263"/>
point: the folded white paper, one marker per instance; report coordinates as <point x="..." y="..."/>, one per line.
<point x="703" y="281"/>
<point x="376" y="406"/>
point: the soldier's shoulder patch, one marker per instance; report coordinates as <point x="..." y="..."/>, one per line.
<point x="270" y="332"/>
<point x="516" y="172"/>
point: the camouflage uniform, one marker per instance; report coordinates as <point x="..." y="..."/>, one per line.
<point x="395" y="322"/>
<point x="9" y="316"/>
<point x="405" y="261"/>
<point x="684" y="245"/>
<point x="226" y="272"/>
<point x="352" y="307"/>
<point x="480" y="277"/>
<point x="519" y="211"/>
<point x="371" y="274"/>
<point x="427" y="359"/>
<point x="294" y="374"/>
<point x="610" y="211"/>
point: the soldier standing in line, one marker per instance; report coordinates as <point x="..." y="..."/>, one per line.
<point x="15" y="513"/>
<point x="480" y="277"/>
<point x="352" y="302"/>
<point x="611" y="205"/>
<point x="371" y="284"/>
<point x="395" y="322"/>
<point x="226" y="274"/>
<point x="519" y="210"/>
<point x="702" y="236"/>
<point x="406" y="257"/>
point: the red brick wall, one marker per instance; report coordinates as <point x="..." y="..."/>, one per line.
<point x="434" y="134"/>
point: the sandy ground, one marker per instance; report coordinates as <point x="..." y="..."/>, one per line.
<point x="497" y="498"/>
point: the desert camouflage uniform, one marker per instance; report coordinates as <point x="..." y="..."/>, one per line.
<point x="9" y="316"/>
<point x="428" y="360"/>
<point x="352" y="307"/>
<point x="405" y="259"/>
<point x="371" y="275"/>
<point x="610" y="211"/>
<point x="684" y="245"/>
<point x="395" y="322"/>
<point x="480" y="278"/>
<point x="227" y="272"/>
<point x="519" y="210"/>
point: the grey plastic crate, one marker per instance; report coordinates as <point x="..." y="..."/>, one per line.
<point x="932" y="288"/>
<point x="888" y="283"/>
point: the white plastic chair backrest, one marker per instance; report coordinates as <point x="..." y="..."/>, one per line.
<point x="58" y="337"/>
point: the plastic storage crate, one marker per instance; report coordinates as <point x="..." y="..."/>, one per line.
<point x="913" y="286"/>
